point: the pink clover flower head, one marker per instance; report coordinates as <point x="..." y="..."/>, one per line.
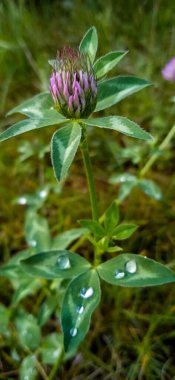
<point x="168" y="71"/>
<point x="73" y="84"/>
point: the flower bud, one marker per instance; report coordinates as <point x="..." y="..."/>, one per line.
<point x="73" y="84"/>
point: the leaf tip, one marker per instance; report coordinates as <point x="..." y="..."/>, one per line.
<point x="93" y="28"/>
<point x="8" y="113"/>
<point x="150" y="137"/>
<point x="149" y="83"/>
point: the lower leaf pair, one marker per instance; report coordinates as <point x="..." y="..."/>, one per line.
<point x="83" y="293"/>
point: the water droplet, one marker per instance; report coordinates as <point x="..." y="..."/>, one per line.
<point x="73" y="331"/>
<point x="51" y="108"/>
<point x="32" y="243"/>
<point x="56" y="353"/>
<point x="86" y="292"/>
<point x="119" y="274"/>
<point x="63" y="262"/>
<point x="43" y="193"/>
<point x="80" y="309"/>
<point x="131" y="266"/>
<point x="22" y="201"/>
<point x="122" y="179"/>
<point x="145" y="257"/>
<point x="26" y="378"/>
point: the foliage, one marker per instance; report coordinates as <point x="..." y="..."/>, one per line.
<point x="142" y="333"/>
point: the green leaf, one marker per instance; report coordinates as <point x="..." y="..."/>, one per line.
<point x="64" y="145"/>
<point x="80" y="300"/>
<point x="93" y="226"/>
<point x="12" y="269"/>
<point x="114" y="249"/>
<point x="9" y="271"/>
<point x="150" y="188"/>
<point x="112" y="91"/>
<point x="27" y="369"/>
<point x="25" y="288"/>
<point x="35" y="106"/>
<point x="107" y="62"/>
<point x="29" y="333"/>
<point x="29" y="200"/>
<point x="4" y="318"/>
<point x="37" y="231"/>
<point x="89" y="43"/>
<point x="47" y="308"/>
<point x="31" y="124"/>
<point x="124" y="231"/>
<point x="127" y="181"/>
<point x="102" y="244"/>
<point x="122" y="178"/>
<point x="125" y="189"/>
<point x="52" y="62"/>
<point x="64" y="239"/>
<point x="55" y="264"/>
<point x="15" y="259"/>
<point x="111" y="217"/>
<point x="52" y="348"/>
<point x="120" y="124"/>
<point x="133" y="270"/>
<point x="6" y="45"/>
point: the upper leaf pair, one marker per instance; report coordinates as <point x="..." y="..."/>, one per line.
<point x="128" y="182"/>
<point x="110" y="228"/>
<point x="77" y="88"/>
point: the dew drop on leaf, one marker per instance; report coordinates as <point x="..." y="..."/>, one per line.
<point x="56" y="353"/>
<point x="73" y="331"/>
<point x="122" y="179"/>
<point x="22" y="201"/>
<point x="80" y="309"/>
<point x="32" y="243"/>
<point x="131" y="266"/>
<point x="119" y="274"/>
<point x="43" y="194"/>
<point x="86" y="292"/>
<point x="63" y="262"/>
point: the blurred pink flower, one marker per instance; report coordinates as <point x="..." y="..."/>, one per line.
<point x="168" y="70"/>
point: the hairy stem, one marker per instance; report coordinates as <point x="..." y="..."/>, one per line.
<point x="89" y="174"/>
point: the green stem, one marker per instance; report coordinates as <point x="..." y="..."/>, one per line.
<point x="56" y="366"/>
<point x="41" y="370"/>
<point x="89" y="174"/>
<point x="155" y="156"/>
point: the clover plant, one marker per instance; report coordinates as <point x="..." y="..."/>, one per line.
<point x="79" y="87"/>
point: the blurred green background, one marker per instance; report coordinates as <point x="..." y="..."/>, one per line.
<point x="132" y="333"/>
